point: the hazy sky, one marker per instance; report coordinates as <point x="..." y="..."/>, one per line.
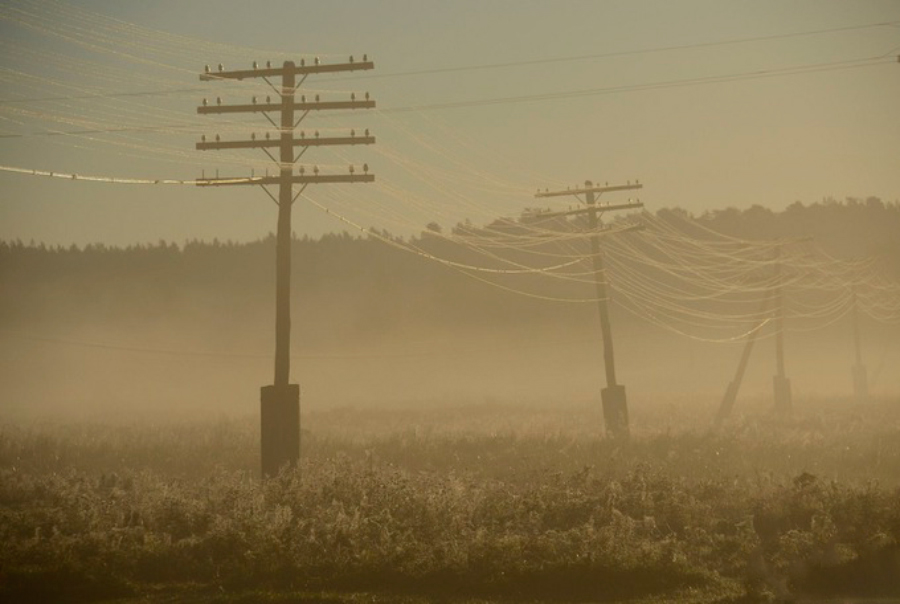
<point x="700" y="145"/>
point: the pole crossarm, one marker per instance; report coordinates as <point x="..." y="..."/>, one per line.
<point x="297" y="142"/>
<point x="603" y="189"/>
<point x="305" y="179"/>
<point x="301" y="69"/>
<point x="271" y="107"/>
<point x="596" y="208"/>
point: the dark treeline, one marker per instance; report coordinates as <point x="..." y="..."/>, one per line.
<point x="358" y="285"/>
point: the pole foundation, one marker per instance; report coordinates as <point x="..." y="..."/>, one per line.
<point x="860" y="383"/>
<point x="280" y="427"/>
<point x="615" y="410"/>
<point x="782" y="388"/>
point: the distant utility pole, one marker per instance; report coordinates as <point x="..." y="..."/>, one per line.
<point x="860" y="377"/>
<point x="731" y="392"/>
<point x="781" y="384"/>
<point x="615" y="408"/>
<point x="280" y="402"/>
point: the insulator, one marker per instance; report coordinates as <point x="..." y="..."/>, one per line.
<point x="317" y="98"/>
<point x="317" y="134"/>
<point x="217" y="138"/>
<point x="302" y="169"/>
<point x="302" y="134"/>
<point x="269" y="64"/>
<point x="203" y="138"/>
<point x="352" y="133"/>
<point x="221" y="67"/>
<point x="253" y="136"/>
<point x="302" y="62"/>
<point x="365" y="57"/>
<point x="365" y="168"/>
<point x="218" y="100"/>
<point x="367" y="132"/>
<point x="205" y="102"/>
<point x="317" y="60"/>
<point x="254" y="100"/>
<point x="268" y="99"/>
<point x="206" y="69"/>
<point x="351" y="58"/>
<point x="352" y="96"/>
<point x="351" y="168"/>
<point x="255" y="65"/>
<point x="316" y="169"/>
<point x="303" y="98"/>
<point x="268" y="135"/>
<point x="367" y="96"/>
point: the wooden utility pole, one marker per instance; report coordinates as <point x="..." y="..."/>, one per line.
<point x="731" y="392"/>
<point x="615" y="408"/>
<point x="860" y="377"/>
<point x="781" y="383"/>
<point x="280" y="402"/>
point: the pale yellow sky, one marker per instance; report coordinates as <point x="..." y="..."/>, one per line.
<point x="709" y="104"/>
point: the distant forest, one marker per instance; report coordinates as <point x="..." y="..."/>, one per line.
<point x="356" y="284"/>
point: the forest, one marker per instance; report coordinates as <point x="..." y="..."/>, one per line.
<point x="375" y="286"/>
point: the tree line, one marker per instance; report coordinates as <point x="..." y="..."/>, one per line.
<point x="372" y="286"/>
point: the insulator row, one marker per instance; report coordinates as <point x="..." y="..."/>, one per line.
<point x="302" y="169"/>
<point x="316" y="61"/>
<point x="254" y="100"/>
<point x="302" y="135"/>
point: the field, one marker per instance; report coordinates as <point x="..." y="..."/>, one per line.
<point x="465" y="503"/>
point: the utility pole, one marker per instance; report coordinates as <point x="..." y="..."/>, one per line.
<point x="280" y="402"/>
<point x="860" y="377"/>
<point x="731" y="392"/>
<point x="781" y="384"/>
<point x="615" y="408"/>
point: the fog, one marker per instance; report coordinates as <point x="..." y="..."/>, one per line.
<point x="174" y="357"/>
<point x="422" y="301"/>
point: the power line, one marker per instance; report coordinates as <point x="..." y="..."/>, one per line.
<point x="111" y="95"/>
<point x="624" y="53"/>
<point x="104" y="179"/>
<point x="665" y="84"/>
<point x="682" y="83"/>
<point x="499" y="65"/>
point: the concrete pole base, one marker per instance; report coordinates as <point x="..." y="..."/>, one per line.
<point x="615" y="411"/>
<point x="860" y="384"/>
<point x="280" y="427"/>
<point x="782" y="388"/>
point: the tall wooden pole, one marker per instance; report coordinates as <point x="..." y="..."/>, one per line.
<point x="602" y="293"/>
<point x="615" y="406"/>
<point x="283" y="236"/>
<point x="280" y="401"/>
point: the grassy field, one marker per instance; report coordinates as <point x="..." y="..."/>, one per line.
<point x="469" y="503"/>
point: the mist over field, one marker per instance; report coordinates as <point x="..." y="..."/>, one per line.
<point x="160" y="332"/>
